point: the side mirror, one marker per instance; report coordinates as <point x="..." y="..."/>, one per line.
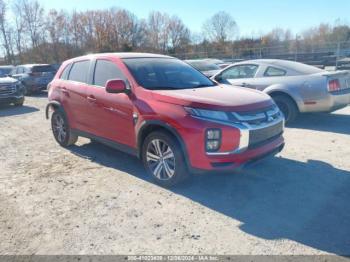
<point x="116" y="86"/>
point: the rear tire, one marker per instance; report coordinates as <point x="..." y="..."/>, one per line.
<point x="61" y="130"/>
<point x="163" y="159"/>
<point x="287" y="106"/>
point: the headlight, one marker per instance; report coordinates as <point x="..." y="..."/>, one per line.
<point x="208" y="114"/>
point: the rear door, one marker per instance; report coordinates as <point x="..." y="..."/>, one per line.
<point x="111" y="115"/>
<point x="72" y="87"/>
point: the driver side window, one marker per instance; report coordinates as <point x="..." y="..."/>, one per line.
<point x="240" y="71"/>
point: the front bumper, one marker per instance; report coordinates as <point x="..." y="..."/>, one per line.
<point x="11" y="99"/>
<point x="236" y="148"/>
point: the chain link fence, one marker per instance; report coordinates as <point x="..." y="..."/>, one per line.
<point x="329" y="54"/>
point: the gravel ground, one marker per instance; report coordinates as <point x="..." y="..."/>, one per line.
<point x="94" y="200"/>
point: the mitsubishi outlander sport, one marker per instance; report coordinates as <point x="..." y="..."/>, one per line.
<point x="162" y="110"/>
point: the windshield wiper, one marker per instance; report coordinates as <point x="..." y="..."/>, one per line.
<point x="203" y="85"/>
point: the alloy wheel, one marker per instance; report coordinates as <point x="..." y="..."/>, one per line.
<point x="59" y="128"/>
<point x="160" y="159"/>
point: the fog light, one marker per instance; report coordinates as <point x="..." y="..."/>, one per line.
<point x="213" y="145"/>
<point x="213" y="134"/>
<point x="213" y="140"/>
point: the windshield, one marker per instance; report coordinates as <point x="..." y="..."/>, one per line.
<point x="204" y="66"/>
<point x="165" y="73"/>
<point x="5" y="71"/>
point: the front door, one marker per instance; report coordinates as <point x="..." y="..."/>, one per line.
<point x="111" y="115"/>
<point x="240" y="75"/>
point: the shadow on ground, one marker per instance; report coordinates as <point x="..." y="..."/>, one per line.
<point x="336" y="123"/>
<point x="277" y="199"/>
<point x="10" y="110"/>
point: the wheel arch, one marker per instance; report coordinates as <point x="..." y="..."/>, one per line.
<point x="150" y="126"/>
<point x="53" y="105"/>
<point x="285" y="94"/>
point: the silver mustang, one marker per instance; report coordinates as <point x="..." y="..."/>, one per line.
<point x="295" y="87"/>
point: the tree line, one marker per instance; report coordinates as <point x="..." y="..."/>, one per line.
<point x="31" y="34"/>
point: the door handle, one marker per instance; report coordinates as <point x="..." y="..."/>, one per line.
<point x="91" y="99"/>
<point x="64" y="91"/>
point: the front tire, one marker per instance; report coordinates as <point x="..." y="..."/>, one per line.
<point x="287" y="106"/>
<point x="163" y="159"/>
<point x="19" y="102"/>
<point x="61" y="130"/>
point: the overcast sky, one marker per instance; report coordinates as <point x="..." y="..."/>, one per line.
<point x="252" y="16"/>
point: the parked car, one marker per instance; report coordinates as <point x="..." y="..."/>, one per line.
<point x="55" y="67"/>
<point x="6" y="70"/>
<point x="163" y="111"/>
<point x="295" y="87"/>
<point x="207" y="68"/>
<point x="218" y="62"/>
<point x="34" y="77"/>
<point x="11" y="91"/>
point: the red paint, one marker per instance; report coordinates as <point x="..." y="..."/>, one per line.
<point x="93" y="110"/>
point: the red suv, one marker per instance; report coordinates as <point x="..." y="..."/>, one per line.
<point x="163" y="111"/>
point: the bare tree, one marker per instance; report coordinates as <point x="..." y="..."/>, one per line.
<point x="5" y="31"/>
<point x="33" y="15"/>
<point x="179" y="34"/>
<point x="158" y="31"/>
<point x="220" y="27"/>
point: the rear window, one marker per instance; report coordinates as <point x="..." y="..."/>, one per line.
<point x="79" y="71"/>
<point x="274" y="71"/>
<point x="45" y="68"/>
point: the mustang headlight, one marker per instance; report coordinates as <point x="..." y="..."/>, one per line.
<point x="208" y="114"/>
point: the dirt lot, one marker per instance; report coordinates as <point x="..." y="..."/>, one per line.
<point x="94" y="200"/>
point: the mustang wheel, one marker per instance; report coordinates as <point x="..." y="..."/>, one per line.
<point x="61" y="130"/>
<point x="287" y="106"/>
<point x="163" y="159"/>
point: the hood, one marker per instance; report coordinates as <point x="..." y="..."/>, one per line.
<point x="7" y="80"/>
<point x="221" y="97"/>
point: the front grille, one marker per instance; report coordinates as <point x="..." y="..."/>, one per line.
<point x="256" y="118"/>
<point x="264" y="135"/>
<point x="7" y="89"/>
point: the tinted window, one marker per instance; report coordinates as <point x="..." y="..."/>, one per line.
<point x="79" y="71"/>
<point x="165" y="73"/>
<point x="274" y="71"/>
<point x="106" y="70"/>
<point x="44" y="68"/>
<point x="240" y="71"/>
<point x="65" y="73"/>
